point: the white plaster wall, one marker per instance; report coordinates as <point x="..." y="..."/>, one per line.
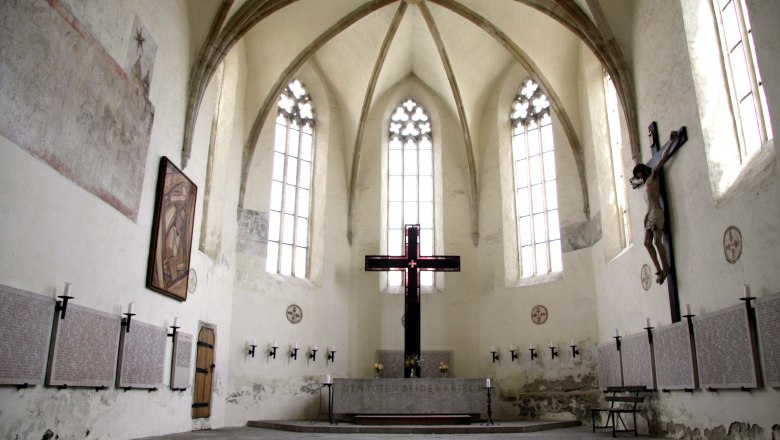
<point x="53" y="231"/>
<point x="670" y="94"/>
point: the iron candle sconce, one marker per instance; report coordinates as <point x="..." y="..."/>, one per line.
<point x="272" y="351"/>
<point x="513" y="352"/>
<point x="332" y="354"/>
<point x="62" y="306"/>
<point x="494" y="352"/>
<point x="553" y="350"/>
<point x="252" y="346"/>
<point x="175" y="328"/>
<point x="534" y="355"/>
<point x="574" y="350"/>
<point x="294" y="352"/>
<point x="129" y="315"/>
<point x="313" y="353"/>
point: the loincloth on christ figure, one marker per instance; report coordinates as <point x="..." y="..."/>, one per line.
<point x="654" y="219"/>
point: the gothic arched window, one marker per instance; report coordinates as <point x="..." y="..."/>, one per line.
<point x="288" y="223"/>
<point x="410" y="184"/>
<point x="536" y="198"/>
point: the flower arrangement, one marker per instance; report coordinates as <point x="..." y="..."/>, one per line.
<point x="443" y="367"/>
<point x="378" y="367"/>
<point x="412" y="361"/>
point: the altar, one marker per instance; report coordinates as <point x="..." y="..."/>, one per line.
<point x="416" y="397"/>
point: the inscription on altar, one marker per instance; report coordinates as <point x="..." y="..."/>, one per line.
<point x="409" y="396"/>
<point x="609" y="366"/>
<point x="84" y="349"/>
<point x="674" y="363"/>
<point x="25" y="330"/>
<point x="768" y="320"/>
<point x="142" y="356"/>
<point x="182" y="355"/>
<point x="637" y="361"/>
<point x="724" y="350"/>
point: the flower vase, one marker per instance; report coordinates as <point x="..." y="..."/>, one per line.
<point x="443" y="374"/>
<point x="377" y="375"/>
<point x="412" y="373"/>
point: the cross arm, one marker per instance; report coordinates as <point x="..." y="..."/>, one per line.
<point x="442" y="263"/>
<point x="682" y="137"/>
<point x="384" y="262"/>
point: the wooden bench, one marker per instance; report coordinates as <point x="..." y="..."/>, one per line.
<point x="622" y="401"/>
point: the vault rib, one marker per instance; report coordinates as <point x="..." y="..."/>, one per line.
<point x="522" y="58"/>
<point x="369" y="96"/>
<point x="464" y="125"/>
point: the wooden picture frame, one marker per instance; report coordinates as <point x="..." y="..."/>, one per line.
<point x="174" y="219"/>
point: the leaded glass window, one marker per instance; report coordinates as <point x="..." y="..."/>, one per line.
<point x="536" y="198"/>
<point x="616" y="156"/>
<point x="409" y="184"/>
<point x="746" y="89"/>
<point x="288" y="223"/>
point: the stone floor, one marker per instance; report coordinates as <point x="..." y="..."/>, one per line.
<point x="250" y="433"/>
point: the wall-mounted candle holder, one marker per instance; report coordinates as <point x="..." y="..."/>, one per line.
<point x="495" y="355"/>
<point x="534" y="355"/>
<point x="129" y="315"/>
<point x="175" y="328"/>
<point x="294" y="352"/>
<point x="252" y="346"/>
<point x="513" y="352"/>
<point x="313" y="353"/>
<point x="62" y="306"/>
<point x="553" y="351"/>
<point x="574" y="351"/>
<point x="332" y="354"/>
<point x="272" y="350"/>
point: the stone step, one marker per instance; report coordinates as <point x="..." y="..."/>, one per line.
<point x="412" y="419"/>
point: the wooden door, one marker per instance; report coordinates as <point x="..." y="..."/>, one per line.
<point x="204" y="373"/>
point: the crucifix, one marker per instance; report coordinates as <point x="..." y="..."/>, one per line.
<point x="412" y="263"/>
<point x="659" y="154"/>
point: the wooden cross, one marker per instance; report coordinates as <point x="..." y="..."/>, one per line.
<point x="657" y="150"/>
<point x="412" y="263"/>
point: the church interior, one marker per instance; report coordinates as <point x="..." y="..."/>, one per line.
<point x="212" y="174"/>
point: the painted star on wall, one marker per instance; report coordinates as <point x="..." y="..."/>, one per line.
<point x="139" y="39"/>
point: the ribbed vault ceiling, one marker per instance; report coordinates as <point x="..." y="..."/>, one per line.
<point x="457" y="48"/>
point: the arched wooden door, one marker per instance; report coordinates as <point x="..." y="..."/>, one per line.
<point x="204" y="373"/>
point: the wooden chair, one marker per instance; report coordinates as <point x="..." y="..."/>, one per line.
<point x="622" y="401"/>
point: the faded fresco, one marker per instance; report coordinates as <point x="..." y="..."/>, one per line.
<point x="140" y="56"/>
<point x="68" y="103"/>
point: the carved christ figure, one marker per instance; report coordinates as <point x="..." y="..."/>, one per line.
<point x="654" y="218"/>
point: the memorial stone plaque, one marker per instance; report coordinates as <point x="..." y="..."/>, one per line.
<point x="637" y="358"/>
<point x="84" y="350"/>
<point x="610" y="374"/>
<point x="675" y="365"/>
<point x="141" y="356"/>
<point x="724" y="349"/>
<point x="768" y="320"/>
<point x="25" y="331"/>
<point x="182" y="361"/>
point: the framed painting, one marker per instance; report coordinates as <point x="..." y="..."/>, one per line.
<point x="174" y="218"/>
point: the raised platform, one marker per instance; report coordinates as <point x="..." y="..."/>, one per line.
<point x="500" y="427"/>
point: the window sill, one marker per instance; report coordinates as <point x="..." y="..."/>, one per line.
<point x="754" y="175"/>
<point x="541" y="279"/>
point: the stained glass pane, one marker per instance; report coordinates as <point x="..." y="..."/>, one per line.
<point x="547" y="138"/>
<point x="292" y="146"/>
<point x="426" y="188"/>
<point x="527" y="258"/>
<point x="272" y="258"/>
<point x="286" y="260"/>
<point x="747" y="110"/>
<point x="276" y="196"/>
<point x="395" y="143"/>
<point x="280" y="137"/>
<point x="395" y="218"/>
<point x="278" y="172"/>
<point x="302" y="235"/>
<point x="288" y="229"/>
<point x="292" y="171"/>
<point x="523" y="202"/>
<point x="395" y="163"/>
<point x="410" y="213"/>
<point x="410" y="162"/>
<point x="426" y="215"/>
<point x="303" y="203"/>
<point x="552" y="225"/>
<point x="526" y="234"/>
<point x="533" y="141"/>
<point x="425" y="143"/>
<point x="549" y="165"/>
<point x="731" y="26"/>
<point x="426" y="242"/>
<point x="521" y="170"/>
<point x="300" y="262"/>
<point x="426" y="162"/>
<point x="274" y="225"/>
<point x="540" y="229"/>
<point x="410" y="189"/>
<point x="395" y="242"/>
<point x="305" y="180"/>
<point x="541" y="258"/>
<point x="519" y="149"/>
<point x="306" y="147"/>
<point x="289" y="199"/>
<point x="537" y="198"/>
<point x="395" y="189"/>
<point x="739" y="71"/>
<point x="535" y="169"/>
<point x="551" y="191"/>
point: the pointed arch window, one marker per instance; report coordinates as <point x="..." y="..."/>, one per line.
<point x="410" y="192"/>
<point x="746" y="88"/>
<point x="616" y="157"/>
<point x="536" y="195"/>
<point x="288" y="223"/>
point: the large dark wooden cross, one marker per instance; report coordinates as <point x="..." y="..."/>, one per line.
<point x="657" y="150"/>
<point x="412" y="263"/>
